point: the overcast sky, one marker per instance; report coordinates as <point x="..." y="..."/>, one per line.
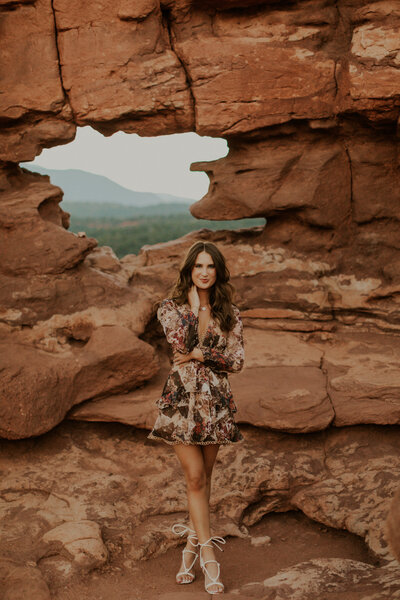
<point x="158" y="164"/>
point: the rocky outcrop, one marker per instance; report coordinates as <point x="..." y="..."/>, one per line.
<point x="225" y="68"/>
<point x="322" y="191"/>
<point x="35" y="240"/>
<point x="102" y="500"/>
<point x="307" y="367"/>
<point x="33" y="105"/>
<point x="393" y="525"/>
<point x="342" y="578"/>
<point x="44" y="385"/>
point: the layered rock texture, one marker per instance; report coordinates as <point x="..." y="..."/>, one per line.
<point x="307" y="94"/>
<point x="101" y="503"/>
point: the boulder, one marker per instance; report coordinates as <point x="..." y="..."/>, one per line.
<point x="335" y="577"/>
<point x="363" y="378"/>
<point x="20" y="581"/>
<point x="39" y="387"/>
<point x="73" y="548"/>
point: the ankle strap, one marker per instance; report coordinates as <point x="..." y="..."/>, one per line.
<point x="185" y="529"/>
<point x="214" y="540"/>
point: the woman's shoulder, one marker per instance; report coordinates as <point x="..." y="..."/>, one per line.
<point x="166" y="303"/>
<point x="169" y="304"/>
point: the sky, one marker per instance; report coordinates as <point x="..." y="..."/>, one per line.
<point x="153" y="164"/>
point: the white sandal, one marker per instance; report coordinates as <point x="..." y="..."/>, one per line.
<point x="203" y="563"/>
<point x="192" y="536"/>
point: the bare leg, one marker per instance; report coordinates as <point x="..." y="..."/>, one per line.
<point x="197" y="463"/>
<point x="210" y="452"/>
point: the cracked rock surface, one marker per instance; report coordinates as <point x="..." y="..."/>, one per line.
<point x="83" y="492"/>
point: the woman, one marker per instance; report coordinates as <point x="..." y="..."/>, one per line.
<point x="196" y="407"/>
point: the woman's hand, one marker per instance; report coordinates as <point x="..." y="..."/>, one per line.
<point x="193" y="299"/>
<point x="180" y="358"/>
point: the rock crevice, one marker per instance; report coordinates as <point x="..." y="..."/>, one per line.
<point x="168" y="25"/>
<point x="59" y="58"/>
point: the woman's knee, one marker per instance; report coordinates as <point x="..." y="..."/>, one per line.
<point x="196" y="480"/>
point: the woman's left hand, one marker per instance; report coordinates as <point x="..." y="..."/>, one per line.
<point x="180" y="358"/>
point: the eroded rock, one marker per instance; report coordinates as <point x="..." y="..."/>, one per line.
<point x="393" y="525"/>
<point x="341" y="577"/>
<point x="19" y="581"/>
<point x="74" y="547"/>
<point x="33" y="103"/>
<point x="107" y="474"/>
<point x="39" y="387"/>
<point x="363" y="378"/>
<point x="35" y="239"/>
<point x="146" y="83"/>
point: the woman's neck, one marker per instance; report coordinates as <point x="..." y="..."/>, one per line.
<point x="204" y="296"/>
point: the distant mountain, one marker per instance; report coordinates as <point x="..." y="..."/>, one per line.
<point x="81" y="186"/>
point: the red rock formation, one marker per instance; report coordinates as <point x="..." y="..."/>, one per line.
<point x="33" y="105"/>
<point x="35" y="239"/>
<point x="307" y="93"/>
<point x="182" y="65"/>
<point x="393" y="525"/>
<point x="82" y="476"/>
<point x="38" y="386"/>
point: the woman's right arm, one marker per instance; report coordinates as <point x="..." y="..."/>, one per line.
<point x="181" y="329"/>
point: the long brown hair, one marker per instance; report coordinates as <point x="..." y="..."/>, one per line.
<point x="221" y="293"/>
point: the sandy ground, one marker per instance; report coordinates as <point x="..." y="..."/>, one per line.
<point x="294" y="538"/>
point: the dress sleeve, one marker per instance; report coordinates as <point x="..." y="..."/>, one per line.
<point x="180" y="328"/>
<point x="232" y="358"/>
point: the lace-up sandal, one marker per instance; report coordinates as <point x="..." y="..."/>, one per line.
<point x="213" y="580"/>
<point x="180" y="529"/>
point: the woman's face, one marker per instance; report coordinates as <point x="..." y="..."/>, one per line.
<point x="204" y="273"/>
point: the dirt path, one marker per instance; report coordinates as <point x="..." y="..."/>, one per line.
<point x="294" y="538"/>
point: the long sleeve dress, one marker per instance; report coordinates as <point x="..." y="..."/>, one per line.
<point x="196" y="405"/>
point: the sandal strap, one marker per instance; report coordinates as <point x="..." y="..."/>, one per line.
<point x="180" y="529"/>
<point x="214" y="540"/>
<point x="213" y="579"/>
<point x="187" y="569"/>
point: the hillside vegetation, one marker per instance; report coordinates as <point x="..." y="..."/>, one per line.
<point x="126" y="229"/>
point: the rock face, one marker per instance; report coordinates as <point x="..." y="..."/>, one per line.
<point x="340" y="199"/>
<point x="393" y="525"/>
<point x="33" y="103"/>
<point x="342" y="578"/>
<point x="43" y="386"/>
<point x="307" y="95"/>
<point x="102" y="501"/>
<point x="180" y="65"/>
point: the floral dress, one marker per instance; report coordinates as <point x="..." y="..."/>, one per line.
<point x="196" y="405"/>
